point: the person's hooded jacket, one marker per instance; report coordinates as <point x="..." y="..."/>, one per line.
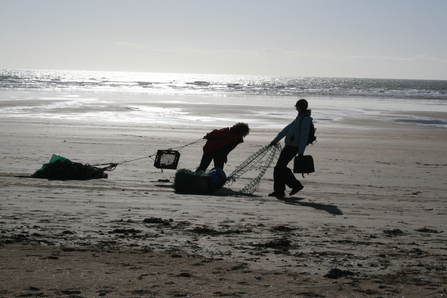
<point x="296" y="133"/>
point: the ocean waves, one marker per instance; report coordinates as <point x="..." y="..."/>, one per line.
<point x="164" y="83"/>
<point x="194" y="100"/>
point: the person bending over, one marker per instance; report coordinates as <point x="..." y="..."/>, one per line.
<point x="220" y="142"/>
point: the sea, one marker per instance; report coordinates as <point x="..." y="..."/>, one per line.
<point x="213" y="100"/>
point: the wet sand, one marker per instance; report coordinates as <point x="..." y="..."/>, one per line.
<point x="370" y="222"/>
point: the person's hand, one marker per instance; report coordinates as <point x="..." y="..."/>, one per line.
<point x="272" y="143"/>
<point x="300" y="154"/>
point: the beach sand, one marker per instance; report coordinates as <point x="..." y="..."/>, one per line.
<point x="370" y="222"/>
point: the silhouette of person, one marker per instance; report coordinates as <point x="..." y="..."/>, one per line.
<point x="220" y="142"/>
<point x="296" y="135"/>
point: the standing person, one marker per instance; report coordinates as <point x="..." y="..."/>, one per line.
<point x="220" y="142"/>
<point x="296" y="135"/>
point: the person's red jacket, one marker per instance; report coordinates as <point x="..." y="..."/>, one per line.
<point x="220" y="138"/>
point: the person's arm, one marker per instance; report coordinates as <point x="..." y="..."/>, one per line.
<point x="282" y="134"/>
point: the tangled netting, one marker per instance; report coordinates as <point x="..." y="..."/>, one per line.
<point x="261" y="161"/>
<point x="61" y="168"/>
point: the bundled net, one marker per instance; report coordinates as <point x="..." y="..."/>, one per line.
<point x="260" y="161"/>
<point x="61" y="168"/>
<point x="187" y="181"/>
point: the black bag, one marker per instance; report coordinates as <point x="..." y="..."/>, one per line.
<point x="312" y="138"/>
<point x="303" y="164"/>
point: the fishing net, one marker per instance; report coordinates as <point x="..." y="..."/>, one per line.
<point x="260" y="161"/>
<point x="61" y="168"/>
<point x="187" y="181"/>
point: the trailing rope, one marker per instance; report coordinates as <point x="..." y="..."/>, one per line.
<point x="192" y="143"/>
<point x="261" y="161"/>
<point x="112" y="166"/>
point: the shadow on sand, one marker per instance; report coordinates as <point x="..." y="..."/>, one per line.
<point x="332" y="209"/>
<point x="222" y="192"/>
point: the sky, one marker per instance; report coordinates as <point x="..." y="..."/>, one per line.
<point x="403" y="39"/>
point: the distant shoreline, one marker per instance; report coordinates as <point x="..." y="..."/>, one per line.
<point x="196" y="111"/>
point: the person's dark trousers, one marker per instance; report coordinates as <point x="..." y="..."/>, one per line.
<point x="219" y="160"/>
<point x="219" y="156"/>
<point x="282" y="175"/>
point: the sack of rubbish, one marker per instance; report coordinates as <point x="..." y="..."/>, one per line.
<point x="187" y="181"/>
<point x="61" y="168"/>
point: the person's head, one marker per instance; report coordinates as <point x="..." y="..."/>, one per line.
<point x="241" y="129"/>
<point x="301" y="105"/>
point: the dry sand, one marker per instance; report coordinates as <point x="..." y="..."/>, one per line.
<point x="370" y="222"/>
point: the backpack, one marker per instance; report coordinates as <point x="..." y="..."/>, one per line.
<point x="312" y="138"/>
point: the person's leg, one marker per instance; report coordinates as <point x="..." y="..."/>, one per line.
<point x="219" y="161"/>
<point x="205" y="162"/>
<point x="291" y="181"/>
<point x="279" y="186"/>
<point x="282" y="175"/>
<point x="220" y="157"/>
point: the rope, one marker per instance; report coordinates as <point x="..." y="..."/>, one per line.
<point x="192" y="143"/>
<point x="260" y="160"/>
<point x="112" y="166"/>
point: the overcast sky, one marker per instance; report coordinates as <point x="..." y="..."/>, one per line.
<point x="333" y="38"/>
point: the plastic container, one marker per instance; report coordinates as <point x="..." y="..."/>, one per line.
<point x="218" y="178"/>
